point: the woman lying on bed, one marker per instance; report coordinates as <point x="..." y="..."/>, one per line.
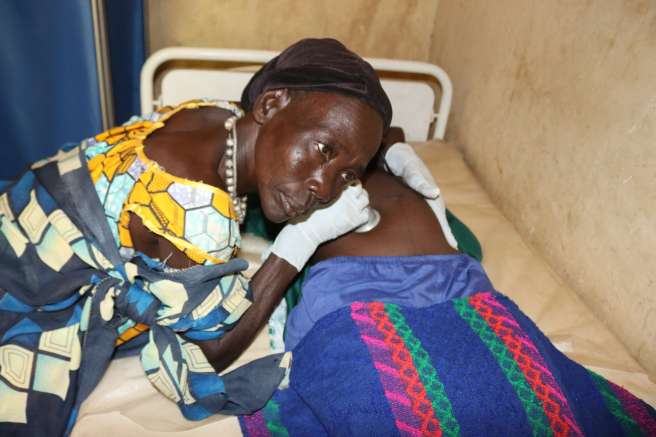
<point x="397" y="334"/>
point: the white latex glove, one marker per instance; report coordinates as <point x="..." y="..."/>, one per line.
<point x="437" y="205"/>
<point x="297" y="241"/>
<point x="403" y="161"/>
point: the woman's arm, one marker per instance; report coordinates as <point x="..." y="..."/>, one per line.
<point x="293" y="247"/>
<point x="268" y="286"/>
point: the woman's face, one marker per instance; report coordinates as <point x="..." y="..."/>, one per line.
<point x="310" y="149"/>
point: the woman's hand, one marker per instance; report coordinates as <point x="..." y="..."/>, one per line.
<point x="402" y="161"/>
<point x="297" y="241"/>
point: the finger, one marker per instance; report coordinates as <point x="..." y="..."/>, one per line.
<point x="420" y="184"/>
<point x="438" y="207"/>
<point x="429" y="191"/>
<point x="362" y="197"/>
<point x="361" y="203"/>
<point x="440" y="213"/>
<point x="353" y="191"/>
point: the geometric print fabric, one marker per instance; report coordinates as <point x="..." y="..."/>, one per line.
<point x="45" y="370"/>
<point x="197" y="218"/>
<point x="66" y="294"/>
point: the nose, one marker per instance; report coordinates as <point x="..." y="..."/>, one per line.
<point x="325" y="185"/>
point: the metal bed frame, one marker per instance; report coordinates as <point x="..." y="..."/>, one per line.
<point x="409" y="84"/>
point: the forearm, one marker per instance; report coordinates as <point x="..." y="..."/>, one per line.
<point x="291" y="250"/>
<point x="268" y="286"/>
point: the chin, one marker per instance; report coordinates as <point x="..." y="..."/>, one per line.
<point x="277" y="219"/>
<point x="272" y="211"/>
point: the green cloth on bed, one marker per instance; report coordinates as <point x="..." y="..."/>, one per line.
<point x="467" y="241"/>
<point x="258" y="225"/>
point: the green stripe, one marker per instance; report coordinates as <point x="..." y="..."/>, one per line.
<point x="614" y="405"/>
<point x="271" y="414"/>
<point x="427" y="373"/>
<point x="532" y="406"/>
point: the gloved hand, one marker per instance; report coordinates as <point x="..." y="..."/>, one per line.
<point x="297" y="241"/>
<point x="403" y="161"/>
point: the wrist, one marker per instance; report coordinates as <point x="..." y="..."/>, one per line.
<point x="294" y="246"/>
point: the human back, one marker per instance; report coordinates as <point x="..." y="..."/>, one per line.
<point x="408" y="226"/>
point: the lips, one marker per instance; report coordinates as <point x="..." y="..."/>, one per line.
<point x="290" y="209"/>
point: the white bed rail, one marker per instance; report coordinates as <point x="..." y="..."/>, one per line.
<point x="149" y="101"/>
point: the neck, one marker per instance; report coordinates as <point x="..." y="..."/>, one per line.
<point x="247" y="131"/>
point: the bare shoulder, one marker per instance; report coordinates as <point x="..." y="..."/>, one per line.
<point x="190" y="144"/>
<point x="198" y="119"/>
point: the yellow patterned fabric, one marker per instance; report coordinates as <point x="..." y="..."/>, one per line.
<point x="195" y="217"/>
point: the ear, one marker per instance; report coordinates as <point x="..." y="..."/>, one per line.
<point x="269" y="103"/>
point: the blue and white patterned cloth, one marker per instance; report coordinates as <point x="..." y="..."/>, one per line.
<point x="66" y="294"/>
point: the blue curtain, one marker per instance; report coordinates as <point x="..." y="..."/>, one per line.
<point x="125" y="29"/>
<point x="48" y="78"/>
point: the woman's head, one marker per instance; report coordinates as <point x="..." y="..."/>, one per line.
<point x="309" y="147"/>
<point x="322" y="114"/>
<point x="320" y="65"/>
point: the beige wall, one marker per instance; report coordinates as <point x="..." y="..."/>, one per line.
<point x="555" y="108"/>
<point x="377" y="28"/>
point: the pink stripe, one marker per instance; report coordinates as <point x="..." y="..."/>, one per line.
<point x="398" y="397"/>
<point x="405" y="428"/>
<point x="371" y="341"/>
<point x="504" y="325"/>
<point x="387" y="369"/>
<point x="362" y="319"/>
<point x="635" y="408"/>
<point x="527" y="344"/>
<point x="400" y="405"/>
<point x="256" y="425"/>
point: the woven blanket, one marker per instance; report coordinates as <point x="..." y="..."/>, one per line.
<point x="66" y="295"/>
<point x="472" y="366"/>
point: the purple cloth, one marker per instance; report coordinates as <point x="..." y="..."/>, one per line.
<point x="410" y="281"/>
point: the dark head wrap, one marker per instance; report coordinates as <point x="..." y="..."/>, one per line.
<point x="320" y="65"/>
